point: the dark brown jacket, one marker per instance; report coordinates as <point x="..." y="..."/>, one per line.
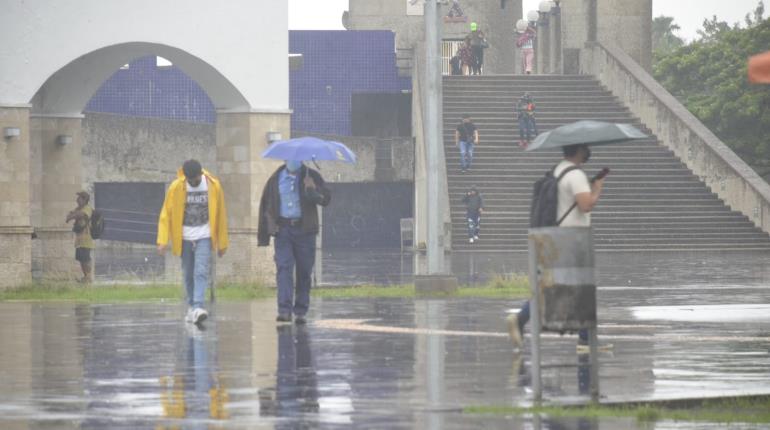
<point x="270" y="204"/>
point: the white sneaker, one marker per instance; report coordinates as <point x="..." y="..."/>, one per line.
<point x="199" y="315"/>
<point x="470" y="240"/>
<point x="189" y="315"/>
<point x="476" y="237"/>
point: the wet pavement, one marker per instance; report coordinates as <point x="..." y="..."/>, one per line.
<point x="673" y="326"/>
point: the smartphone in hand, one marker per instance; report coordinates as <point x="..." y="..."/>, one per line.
<point x="602" y="173"/>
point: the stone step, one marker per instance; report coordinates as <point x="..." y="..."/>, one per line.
<point x="481" y="247"/>
<point x="587" y="102"/>
<point x="510" y="135"/>
<point x="516" y="78"/>
<point x="609" y="205"/>
<point x="536" y="91"/>
<point x="506" y="116"/>
<point x="601" y="218"/>
<point x="491" y="227"/>
<point x="636" y="239"/>
<point x="521" y="232"/>
<point x="651" y="201"/>
<point x="491" y="199"/>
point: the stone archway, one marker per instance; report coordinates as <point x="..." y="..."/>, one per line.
<point x="45" y="85"/>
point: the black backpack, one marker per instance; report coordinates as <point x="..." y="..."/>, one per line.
<point x="97" y="224"/>
<point x="545" y="200"/>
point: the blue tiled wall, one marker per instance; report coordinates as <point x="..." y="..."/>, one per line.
<point x="337" y="64"/>
<point x="146" y="90"/>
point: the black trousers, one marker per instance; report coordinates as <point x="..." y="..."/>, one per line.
<point x="478" y="59"/>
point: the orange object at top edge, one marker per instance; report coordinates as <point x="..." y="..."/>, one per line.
<point x="759" y="68"/>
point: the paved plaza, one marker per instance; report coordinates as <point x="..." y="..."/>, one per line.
<point x="378" y="363"/>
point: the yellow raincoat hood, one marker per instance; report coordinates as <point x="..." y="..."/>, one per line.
<point x="172" y="214"/>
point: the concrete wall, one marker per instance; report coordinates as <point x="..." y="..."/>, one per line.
<point x="628" y="24"/>
<point x="78" y="46"/>
<point x="498" y="25"/>
<point x="15" y="227"/>
<point x="421" y="168"/>
<point x="420" y="163"/>
<point x="119" y="148"/>
<point x="625" y="23"/>
<point x="113" y="148"/>
<point x="377" y="159"/>
<point x="54" y="182"/>
<point x="709" y="158"/>
<point x="130" y="149"/>
<point x="575" y="23"/>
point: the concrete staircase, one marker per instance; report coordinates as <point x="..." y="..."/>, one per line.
<point x="651" y="200"/>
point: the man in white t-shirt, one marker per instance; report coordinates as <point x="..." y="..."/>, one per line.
<point x="577" y="195"/>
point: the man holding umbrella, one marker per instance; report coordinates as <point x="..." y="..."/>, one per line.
<point x="576" y="198"/>
<point x="288" y="211"/>
<point x="576" y="195"/>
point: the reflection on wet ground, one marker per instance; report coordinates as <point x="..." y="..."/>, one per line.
<point x="415" y="365"/>
<point x="614" y="269"/>
<point x="674" y="326"/>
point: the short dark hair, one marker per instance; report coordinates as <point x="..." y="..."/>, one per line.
<point x="192" y="168"/>
<point x="571" y="150"/>
<point x="84" y="195"/>
<point x="466" y="116"/>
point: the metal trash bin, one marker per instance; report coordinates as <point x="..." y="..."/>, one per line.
<point x="562" y="277"/>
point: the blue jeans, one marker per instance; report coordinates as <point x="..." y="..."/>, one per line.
<point x="196" y="265"/>
<point x="474" y="225"/>
<point x="294" y="256"/>
<point x="527" y="127"/>
<point x="466" y="154"/>
<point x="523" y="319"/>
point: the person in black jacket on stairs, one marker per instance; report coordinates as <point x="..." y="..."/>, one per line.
<point x="474" y="208"/>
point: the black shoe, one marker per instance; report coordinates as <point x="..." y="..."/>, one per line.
<point x="300" y="320"/>
<point x="283" y="318"/>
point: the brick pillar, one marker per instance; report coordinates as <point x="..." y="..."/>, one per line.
<point x="56" y="177"/>
<point x="241" y="138"/>
<point x="15" y="226"/>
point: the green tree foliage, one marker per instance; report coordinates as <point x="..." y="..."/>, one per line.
<point x="709" y="77"/>
<point x="664" y="41"/>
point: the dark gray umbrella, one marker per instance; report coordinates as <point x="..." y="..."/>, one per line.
<point x="588" y="132"/>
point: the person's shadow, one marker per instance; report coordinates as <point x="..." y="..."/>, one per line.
<point x="296" y="387"/>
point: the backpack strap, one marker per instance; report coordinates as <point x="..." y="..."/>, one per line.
<point x="564" y="172"/>
<point x="571" y="208"/>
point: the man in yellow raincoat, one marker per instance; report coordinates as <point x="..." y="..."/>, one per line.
<point x="195" y="220"/>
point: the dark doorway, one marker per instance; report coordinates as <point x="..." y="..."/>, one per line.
<point x="366" y="215"/>
<point x="381" y="115"/>
<point x="130" y="209"/>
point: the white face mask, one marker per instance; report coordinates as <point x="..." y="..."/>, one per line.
<point x="293" y="165"/>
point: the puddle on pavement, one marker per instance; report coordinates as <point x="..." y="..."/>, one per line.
<point x="679" y="325"/>
<point x="139" y="366"/>
<point x="705" y="313"/>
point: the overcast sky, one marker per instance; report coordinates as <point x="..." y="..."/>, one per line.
<point x="689" y="14"/>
